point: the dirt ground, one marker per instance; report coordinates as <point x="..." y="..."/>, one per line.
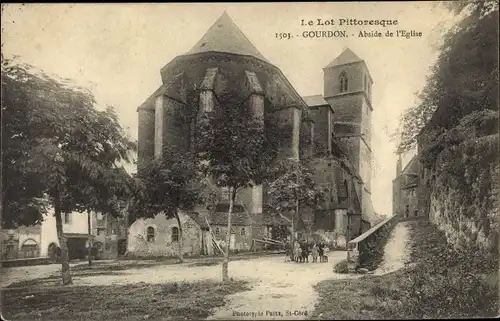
<point x="279" y="289"/>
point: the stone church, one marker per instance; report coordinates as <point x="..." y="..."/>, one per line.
<point x="336" y="125"/>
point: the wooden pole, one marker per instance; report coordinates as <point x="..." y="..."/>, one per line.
<point x="105" y="231"/>
<point x="89" y="228"/>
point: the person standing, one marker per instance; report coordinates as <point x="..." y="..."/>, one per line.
<point x="297" y="251"/>
<point x="314" y="252"/>
<point x="320" y="252"/>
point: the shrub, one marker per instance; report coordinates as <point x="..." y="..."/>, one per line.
<point x="341" y="267"/>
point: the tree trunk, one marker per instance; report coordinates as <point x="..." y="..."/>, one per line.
<point x="225" y="264"/>
<point x="292" y="239"/>
<point x="89" y="237"/>
<point x="181" y="246"/>
<point x="66" y="273"/>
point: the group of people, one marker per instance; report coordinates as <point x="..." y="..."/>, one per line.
<point x="301" y="251"/>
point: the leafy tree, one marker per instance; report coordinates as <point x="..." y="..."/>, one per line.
<point x="22" y="192"/>
<point x="109" y="194"/>
<point x="67" y="143"/>
<point x="465" y="76"/>
<point x="169" y="184"/>
<point x="292" y="183"/>
<point x="234" y="150"/>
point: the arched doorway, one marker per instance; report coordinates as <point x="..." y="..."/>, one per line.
<point x="98" y="246"/>
<point x="52" y="252"/>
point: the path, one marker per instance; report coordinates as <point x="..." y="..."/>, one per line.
<point x="282" y="290"/>
<point x="396" y="250"/>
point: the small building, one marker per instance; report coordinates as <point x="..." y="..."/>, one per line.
<point x="405" y="188"/>
<point x="159" y="236"/>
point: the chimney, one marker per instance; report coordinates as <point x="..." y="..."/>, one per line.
<point x="399" y="165"/>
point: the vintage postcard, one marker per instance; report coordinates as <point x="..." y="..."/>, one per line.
<point x="250" y="161"/>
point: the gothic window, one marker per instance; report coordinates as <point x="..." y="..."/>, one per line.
<point x="150" y="235"/>
<point x="175" y="234"/>
<point x="407" y="210"/>
<point x="217" y="231"/>
<point x="343" y="82"/>
<point x="243" y="232"/>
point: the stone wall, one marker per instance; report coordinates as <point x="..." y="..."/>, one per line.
<point x="367" y="249"/>
<point x="464" y="194"/>
<point x="163" y="245"/>
<point x="242" y="242"/>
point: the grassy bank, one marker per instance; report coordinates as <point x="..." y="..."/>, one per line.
<point x="179" y="301"/>
<point x="442" y="283"/>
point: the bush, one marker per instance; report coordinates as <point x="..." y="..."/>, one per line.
<point x="341" y="267"/>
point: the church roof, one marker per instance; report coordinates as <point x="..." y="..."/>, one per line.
<point x="346" y="57"/>
<point x="316" y="100"/>
<point x="225" y="36"/>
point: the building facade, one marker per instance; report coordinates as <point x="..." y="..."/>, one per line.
<point x="41" y="241"/>
<point x="21" y="243"/>
<point x="225" y="63"/>
<point x="407" y="188"/>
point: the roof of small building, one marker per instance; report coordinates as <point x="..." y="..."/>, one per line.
<point x="198" y="220"/>
<point x="237" y="218"/>
<point x="269" y="217"/>
<point x="225" y="36"/>
<point x="315" y="100"/>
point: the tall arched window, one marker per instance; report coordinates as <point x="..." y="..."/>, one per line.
<point x="366" y="85"/>
<point x="217" y="231"/>
<point x="343" y="82"/>
<point x="175" y="234"/>
<point x="150" y="234"/>
<point x="243" y="232"/>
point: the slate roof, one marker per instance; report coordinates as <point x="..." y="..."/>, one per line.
<point x="225" y="36"/>
<point x="237" y="219"/>
<point x="346" y="57"/>
<point x="315" y="100"/>
<point x="269" y="217"/>
<point x="199" y="220"/>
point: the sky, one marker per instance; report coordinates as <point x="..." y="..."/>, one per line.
<point x="117" y="50"/>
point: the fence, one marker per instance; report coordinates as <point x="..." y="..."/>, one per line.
<point x="367" y="249"/>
